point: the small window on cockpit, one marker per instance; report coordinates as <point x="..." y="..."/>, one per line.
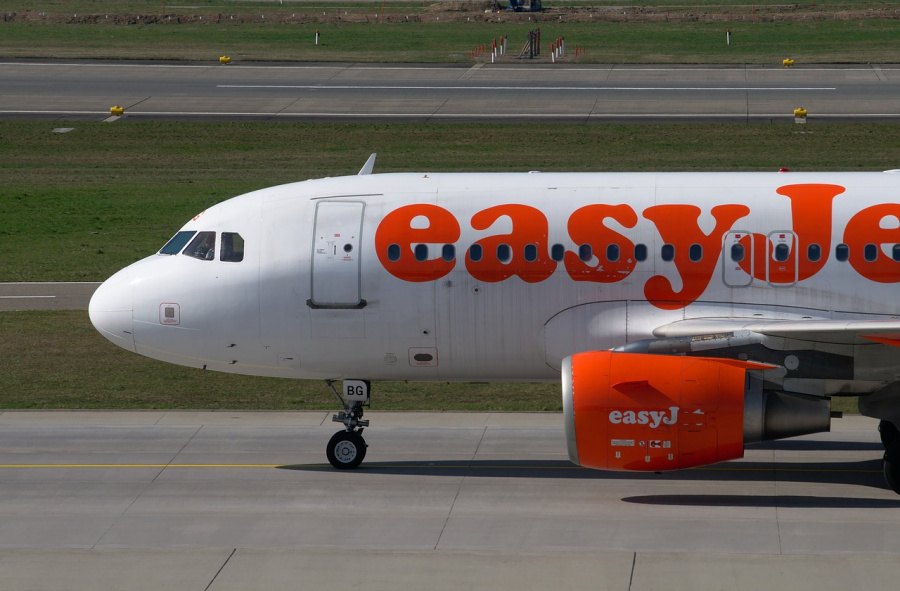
<point x="232" y="247"/>
<point x="202" y="247"/>
<point x="177" y="242"/>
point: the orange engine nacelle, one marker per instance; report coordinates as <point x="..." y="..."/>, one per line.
<point x="628" y="411"/>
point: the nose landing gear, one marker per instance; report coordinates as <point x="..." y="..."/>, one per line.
<point x="347" y="449"/>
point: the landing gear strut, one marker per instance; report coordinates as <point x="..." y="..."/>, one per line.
<point x="347" y="449"/>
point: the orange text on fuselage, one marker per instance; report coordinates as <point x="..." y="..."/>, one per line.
<point x="525" y="252"/>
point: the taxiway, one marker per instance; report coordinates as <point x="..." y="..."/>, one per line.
<point x="234" y="500"/>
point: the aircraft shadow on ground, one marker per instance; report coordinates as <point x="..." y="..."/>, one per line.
<point x="866" y="473"/>
<point x="818" y="445"/>
<point x="772" y="501"/>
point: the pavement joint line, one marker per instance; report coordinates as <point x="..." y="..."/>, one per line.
<point x="221" y="568"/>
<point x="631" y="575"/>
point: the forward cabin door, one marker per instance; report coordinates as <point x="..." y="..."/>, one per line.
<point x="336" y="255"/>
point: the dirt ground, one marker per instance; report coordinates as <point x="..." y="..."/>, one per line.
<point x="474" y="11"/>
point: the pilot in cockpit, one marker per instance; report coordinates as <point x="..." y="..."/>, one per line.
<point x="207" y="249"/>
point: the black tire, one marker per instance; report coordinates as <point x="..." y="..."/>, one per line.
<point x="891" y="466"/>
<point x="888" y="432"/>
<point x="346" y="450"/>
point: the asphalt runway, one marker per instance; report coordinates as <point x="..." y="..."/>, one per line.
<point x="509" y="92"/>
<point x="236" y="500"/>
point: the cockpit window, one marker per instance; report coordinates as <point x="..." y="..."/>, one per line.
<point x="202" y="247"/>
<point x="232" y="247"/>
<point x="177" y="242"/>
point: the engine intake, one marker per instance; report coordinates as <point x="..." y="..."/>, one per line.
<point x="627" y="411"/>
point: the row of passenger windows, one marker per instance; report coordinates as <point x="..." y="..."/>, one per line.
<point x="613" y="252"/>
<point x="505" y="252"/>
<point x="814" y="252"/>
<point x="202" y="245"/>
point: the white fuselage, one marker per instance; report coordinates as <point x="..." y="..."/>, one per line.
<point x="374" y="277"/>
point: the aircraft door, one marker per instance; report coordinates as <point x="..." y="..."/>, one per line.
<point x="783" y="259"/>
<point x="737" y="250"/>
<point x="336" y="255"/>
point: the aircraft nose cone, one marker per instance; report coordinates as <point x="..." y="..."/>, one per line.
<point x="111" y="310"/>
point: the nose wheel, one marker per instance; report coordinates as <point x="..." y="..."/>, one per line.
<point x="347" y="449"/>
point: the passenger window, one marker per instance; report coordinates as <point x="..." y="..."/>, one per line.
<point x="640" y="252"/>
<point x="393" y="253"/>
<point x="421" y="252"/>
<point x="782" y="251"/>
<point x="870" y="252"/>
<point x="612" y="252"/>
<point x="585" y="253"/>
<point x="504" y="253"/>
<point x="177" y="243"/>
<point x="695" y="253"/>
<point x="531" y="252"/>
<point x="737" y="253"/>
<point x="448" y="252"/>
<point x="842" y="252"/>
<point x="475" y="253"/>
<point x="895" y="252"/>
<point x="558" y="252"/>
<point x="202" y="247"/>
<point x="667" y="253"/>
<point x="232" y="247"/>
<point x="814" y="253"/>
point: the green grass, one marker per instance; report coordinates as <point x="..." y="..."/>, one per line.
<point x="373" y="6"/>
<point x="804" y="38"/>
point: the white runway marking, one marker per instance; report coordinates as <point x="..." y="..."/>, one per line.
<point x="521" y="88"/>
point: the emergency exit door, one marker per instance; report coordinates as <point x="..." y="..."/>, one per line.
<point x="336" y="255"/>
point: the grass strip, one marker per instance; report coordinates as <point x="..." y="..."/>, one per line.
<point x="807" y="40"/>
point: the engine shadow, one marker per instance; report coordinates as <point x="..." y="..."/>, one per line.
<point x="818" y="445"/>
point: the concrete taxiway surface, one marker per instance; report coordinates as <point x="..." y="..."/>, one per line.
<point x="15" y="297"/>
<point x="85" y="90"/>
<point x="233" y="500"/>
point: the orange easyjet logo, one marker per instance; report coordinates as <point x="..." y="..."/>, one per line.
<point x="417" y="243"/>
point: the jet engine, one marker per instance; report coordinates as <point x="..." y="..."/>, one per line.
<point x="629" y="411"/>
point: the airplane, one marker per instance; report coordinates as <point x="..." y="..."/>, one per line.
<point x="685" y="315"/>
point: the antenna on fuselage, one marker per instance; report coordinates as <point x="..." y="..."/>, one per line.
<point x="368" y="166"/>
